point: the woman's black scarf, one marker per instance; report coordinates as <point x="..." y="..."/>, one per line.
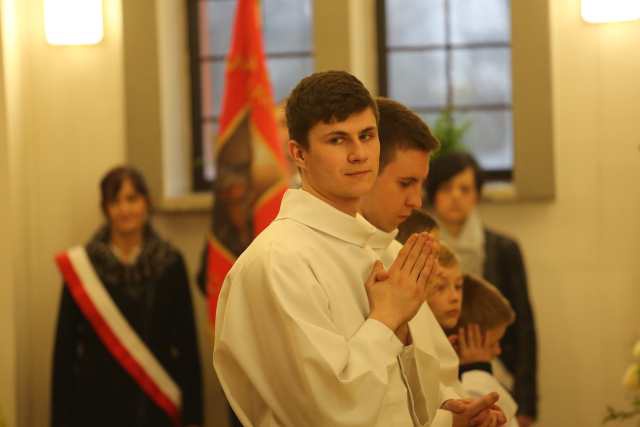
<point x="155" y="256"/>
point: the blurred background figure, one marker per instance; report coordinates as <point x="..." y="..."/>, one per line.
<point x="454" y="188"/>
<point x="145" y="277"/>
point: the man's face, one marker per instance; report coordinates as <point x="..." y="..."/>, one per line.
<point x="398" y="189"/>
<point x="341" y="163"/>
<point x="445" y="296"/>
<point x="456" y="198"/>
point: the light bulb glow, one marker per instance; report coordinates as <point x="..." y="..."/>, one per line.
<point x="73" y="22"/>
<point x="603" y="11"/>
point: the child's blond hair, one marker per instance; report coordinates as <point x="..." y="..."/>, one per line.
<point x="484" y="305"/>
<point x="446" y="257"/>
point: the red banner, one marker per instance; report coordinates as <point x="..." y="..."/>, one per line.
<point x="251" y="170"/>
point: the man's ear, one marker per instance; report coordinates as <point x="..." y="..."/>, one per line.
<point x="297" y="153"/>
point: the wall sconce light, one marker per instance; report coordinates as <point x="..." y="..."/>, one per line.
<point x="603" y="11"/>
<point x="73" y="22"/>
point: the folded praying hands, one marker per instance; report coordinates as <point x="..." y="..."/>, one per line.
<point x="396" y="295"/>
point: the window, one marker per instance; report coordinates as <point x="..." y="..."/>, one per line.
<point x="438" y="54"/>
<point x="287" y="31"/>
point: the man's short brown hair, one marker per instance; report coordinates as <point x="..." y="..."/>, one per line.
<point x="325" y="97"/>
<point x="484" y="305"/>
<point x="401" y="129"/>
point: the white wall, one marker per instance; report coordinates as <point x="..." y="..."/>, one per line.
<point x="582" y="249"/>
<point x="7" y="312"/>
<point x="67" y="117"/>
<point x="10" y="89"/>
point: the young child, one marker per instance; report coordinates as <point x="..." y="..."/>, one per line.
<point x="445" y="294"/>
<point x="480" y="314"/>
<point x="484" y="318"/>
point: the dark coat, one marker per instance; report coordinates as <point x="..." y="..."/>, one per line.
<point x="504" y="267"/>
<point x="90" y="388"/>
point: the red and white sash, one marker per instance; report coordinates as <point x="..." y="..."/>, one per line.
<point x="115" y="332"/>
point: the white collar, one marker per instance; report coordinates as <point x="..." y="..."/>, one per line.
<point x="307" y="209"/>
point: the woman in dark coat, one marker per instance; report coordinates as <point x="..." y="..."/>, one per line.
<point x="146" y="278"/>
<point x="454" y="187"/>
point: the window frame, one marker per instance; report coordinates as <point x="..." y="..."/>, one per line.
<point x="498" y="175"/>
<point x="157" y="128"/>
<point x="197" y="152"/>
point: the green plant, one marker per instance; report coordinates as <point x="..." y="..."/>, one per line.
<point x="631" y="381"/>
<point x="449" y="133"/>
<point x="620" y="415"/>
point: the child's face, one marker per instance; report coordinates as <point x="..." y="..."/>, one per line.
<point x="445" y="296"/>
<point x="493" y="337"/>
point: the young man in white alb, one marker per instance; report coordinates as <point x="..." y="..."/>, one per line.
<point x="406" y="144"/>
<point x="305" y="334"/>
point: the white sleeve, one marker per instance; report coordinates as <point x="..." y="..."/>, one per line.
<point x="412" y="377"/>
<point x="276" y="346"/>
<point x="437" y="361"/>
<point x="477" y="383"/>
<point x="443" y="418"/>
